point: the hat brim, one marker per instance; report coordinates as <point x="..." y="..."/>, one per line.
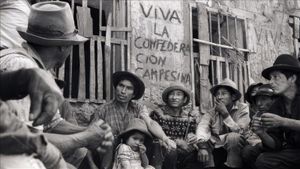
<point x="32" y="38"/>
<point x="139" y="86"/>
<point x="125" y="133"/>
<point x="167" y="91"/>
<point x="266" y="72"/>
<point x="237" y="93"/>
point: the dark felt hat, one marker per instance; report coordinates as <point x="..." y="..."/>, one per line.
<point x="51" y="24"/>
<point x="167" y="91"/>
<point x="249" y="95"/>
<point x="139" y="86"/>
<point x="229" y="84"/>
<point x="283" y="62"/>
<point x="136" y="124"/>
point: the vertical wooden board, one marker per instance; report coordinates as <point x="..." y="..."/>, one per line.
<point x="71" y="74"/>
<point x="122" y="56"/>
<point x="218" y="69"/>
<point x="212" y="70"/>
<point x="113" y="57"/>
<point x="99" y="70"/>
<point x="206" y="97"/>
<point x="204" y="53"/>
<point x="82" y="77"/>
<point x="107" y="59"/>
<point x="203" y="28"/>
<point x="92" y="77"/>
<point x="83" y="20"/>
<point x="240" y="84"/>
<point x="235" y="73"/>
<point x="100" y="16"/>
<point x="245" y="79"/>
<point x="219" y="34"/>
<point x="192" y="57"/>
<point x="129" y="36"/>
<point x="119" y="22"/>
<point x="227" y="67"/>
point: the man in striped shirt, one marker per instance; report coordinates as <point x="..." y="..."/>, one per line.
<point x="118" y="112"/>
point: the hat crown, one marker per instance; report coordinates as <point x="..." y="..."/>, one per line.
<point x="229" y="83"/>
<point x="264" y="90"/>
<point x="286" y="60"/>
<point x="136" y="124"/>
<point x="51" y="20"/>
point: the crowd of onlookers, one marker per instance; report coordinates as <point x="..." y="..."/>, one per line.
<point x="125" y="134"/>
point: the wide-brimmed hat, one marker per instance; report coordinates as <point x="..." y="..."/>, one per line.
<point x="264" y="90"/>
<point x="135" y="124"/>
<point x="167" y="91"/>
<point x="283" y="62"/>
<point x="139" y="86"/>
<point x="249" y="95"/>
<point x="229" y="84"/>
<point x="51" y="24"/>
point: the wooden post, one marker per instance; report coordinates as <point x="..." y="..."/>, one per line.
<point x="92" y="86"/>
<point x="107" y="59"/>
<point x="99" y="70"/>
<point x="204" y="54"/>
<point x="296" y="35"/>
<point x="84" y="21"/>
<point x="192" y="57"/>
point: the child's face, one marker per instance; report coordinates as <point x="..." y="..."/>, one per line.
<point x="135" y="140"/>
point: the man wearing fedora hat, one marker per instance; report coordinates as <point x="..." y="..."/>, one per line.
<point x="219" y="131"/>
<point x="281" y="124"/>
<point x="50" y="35"/>
<point x="118" y="112"/>
<point x="180" y="126"/>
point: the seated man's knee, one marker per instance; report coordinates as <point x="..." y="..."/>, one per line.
<point x="233" y="140"/>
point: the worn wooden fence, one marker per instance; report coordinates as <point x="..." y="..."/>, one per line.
<point x="87" y="72"/>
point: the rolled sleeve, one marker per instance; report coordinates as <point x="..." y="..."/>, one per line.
<point x="203" y="131"/>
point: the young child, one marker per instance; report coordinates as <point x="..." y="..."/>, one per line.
<point x="131" y="152"/>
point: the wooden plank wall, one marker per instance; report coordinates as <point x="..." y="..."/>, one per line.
<point x="96" y="64"/>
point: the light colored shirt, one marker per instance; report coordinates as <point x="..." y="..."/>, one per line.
<point x="125" y="153"/>
<point x="13" y="14"/>
<point x="214" y="128"/>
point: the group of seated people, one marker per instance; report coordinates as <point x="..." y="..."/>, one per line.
<point x="126" y="134"/>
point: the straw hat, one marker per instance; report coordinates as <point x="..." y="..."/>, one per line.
<point x="229" y="84"/>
